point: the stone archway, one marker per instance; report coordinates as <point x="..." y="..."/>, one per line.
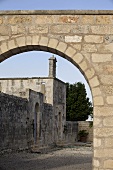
<point x="85" y="39"/>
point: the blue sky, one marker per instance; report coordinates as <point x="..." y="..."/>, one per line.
<point x="36" y="63"/>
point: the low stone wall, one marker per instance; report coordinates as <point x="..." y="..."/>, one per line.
<point x="70" y="132"/>
<point x="83" y="125"/>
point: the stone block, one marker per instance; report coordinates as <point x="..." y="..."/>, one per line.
<point x="80" y="29"/>
<point x="96" y="91"/>
<point x="44" y="19"/>
<point x="35" y="39"/>
<point x="61" y="46"/>
<point x="98" y="101"/>
<point x="103" y="132"/>
<point x="103" y="111"/>
<point x="41" y="29"/>
<point x="70" y="52"/>
<point x="108" y="164"/>
<point x="74" y="38"/>
<point x="4" y="30"/>
<point x="28" y="40"/>
<point x="87" y="19"/>
<point x="103" y="48"/>
<point x="93" y="39"/>
<point x="108" y="121"/>
<point x="17" y="29"/>
<point x="83" y="65"/>
<point x="103" y="153"/>
<point x="108" y="89"/>
<point x="76" y="46"/>
<point x="68" y="19"/>
<point x="96" y="163"/>
<point x="94" y="82"/>
<point x="108" y="142"/>
<point x="97" y="122"/>
<point x="19" y="19"/>
<point x="109" y="99"/>
<point x="53" y="43"/>
<point x="90" y="73"/>
<point x="78" y="58"/>
<point x="106" y="79"/>
<point x="4" y="47"/>
<point x="102" y="29"/>
<point x="59" y="29"/>
<point x="89" y="48"/>
<point x="97" y="142"/>
<point x="4" y="38"/>
<point x="103" y="19"/>
<point x="11" y="44"/>
<point x="97" y="58"/>
<point x="43" y="41"/>
<point x="20" y="41"/>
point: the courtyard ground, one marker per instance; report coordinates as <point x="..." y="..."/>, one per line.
<point x="68" y="158"/>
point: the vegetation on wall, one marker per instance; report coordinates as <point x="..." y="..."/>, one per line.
<point x="78" y="106"/>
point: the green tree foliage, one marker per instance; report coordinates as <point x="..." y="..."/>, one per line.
<point x="78" y="106"/>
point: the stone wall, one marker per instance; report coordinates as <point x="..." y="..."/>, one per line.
<point x="14" y="128"/>
<point x="83" y="125"/>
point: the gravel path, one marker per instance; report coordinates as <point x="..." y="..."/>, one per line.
<point x="79" y="158"/>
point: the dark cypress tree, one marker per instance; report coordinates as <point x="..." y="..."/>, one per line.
<point x="78" y="106"/>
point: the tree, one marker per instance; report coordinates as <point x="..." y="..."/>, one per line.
<point x="78" y="106"/>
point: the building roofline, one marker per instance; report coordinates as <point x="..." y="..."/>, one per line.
<point x="56" y="12"/>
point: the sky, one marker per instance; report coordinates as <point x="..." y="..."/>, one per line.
<point x="32" y="64"/>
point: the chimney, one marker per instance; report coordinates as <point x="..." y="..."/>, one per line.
<point x="52" y="67"/>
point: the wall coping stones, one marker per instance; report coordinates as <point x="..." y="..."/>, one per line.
<point x="56" y="12"/>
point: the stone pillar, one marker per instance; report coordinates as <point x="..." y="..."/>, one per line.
<point x="52" y="67"/>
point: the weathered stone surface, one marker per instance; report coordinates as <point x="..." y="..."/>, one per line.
<point x="94" y="82"/>
<point x="102" y="29"/>
<point x="70" y="52"/>
<point x="61" y="47"/>
<point x="97" y="58"/>
<point x="90" y="73"/>
<point x="109" y="99"/>
<point x="19" y="19"/>
<point x="3" y="47"/>
<point x="108" y="89"/>
<point x="4" y="38"/>
<point x="46" y="19"/>
<point x="108" y="121"/>
<point x="11" y="44"/>
<point x="35" y="40"/>
<point x="69" y="19"/>
<point x="96" y="91"/>
<point x="74" y="38"/>
<point x="76" y="46"/>
<point x="109" y="142"/>
<point x="108" y="163"/>
<point x="106" y="79"/>
<point x="96" y="163"/>
<point x="103" y="132"/>
<point x="21" y="41"/>
<point x="43" y="41"/>
<point x="103" y="19"/>
<point x="78" y="57"/>
<point x="103" y="153"/>
<point x="15" y="29"/>
<point x="93" y="38"/>
<point x="98" y="122"/>
<point x="53" y="43"/>
<point x="4" y="30"/>
<point x="38" y="29"/>
<point x="98" y="101"/>
<point x="89" y="48"/>
<point x="103" y="111"/>
<point x="77" y="29"/>
<point x="58" y="29"/>
<point x="105" y="48"/>
<point x="83" y="65"/>
<point x="86" y="19"/>
<point x="97" y="142"/>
